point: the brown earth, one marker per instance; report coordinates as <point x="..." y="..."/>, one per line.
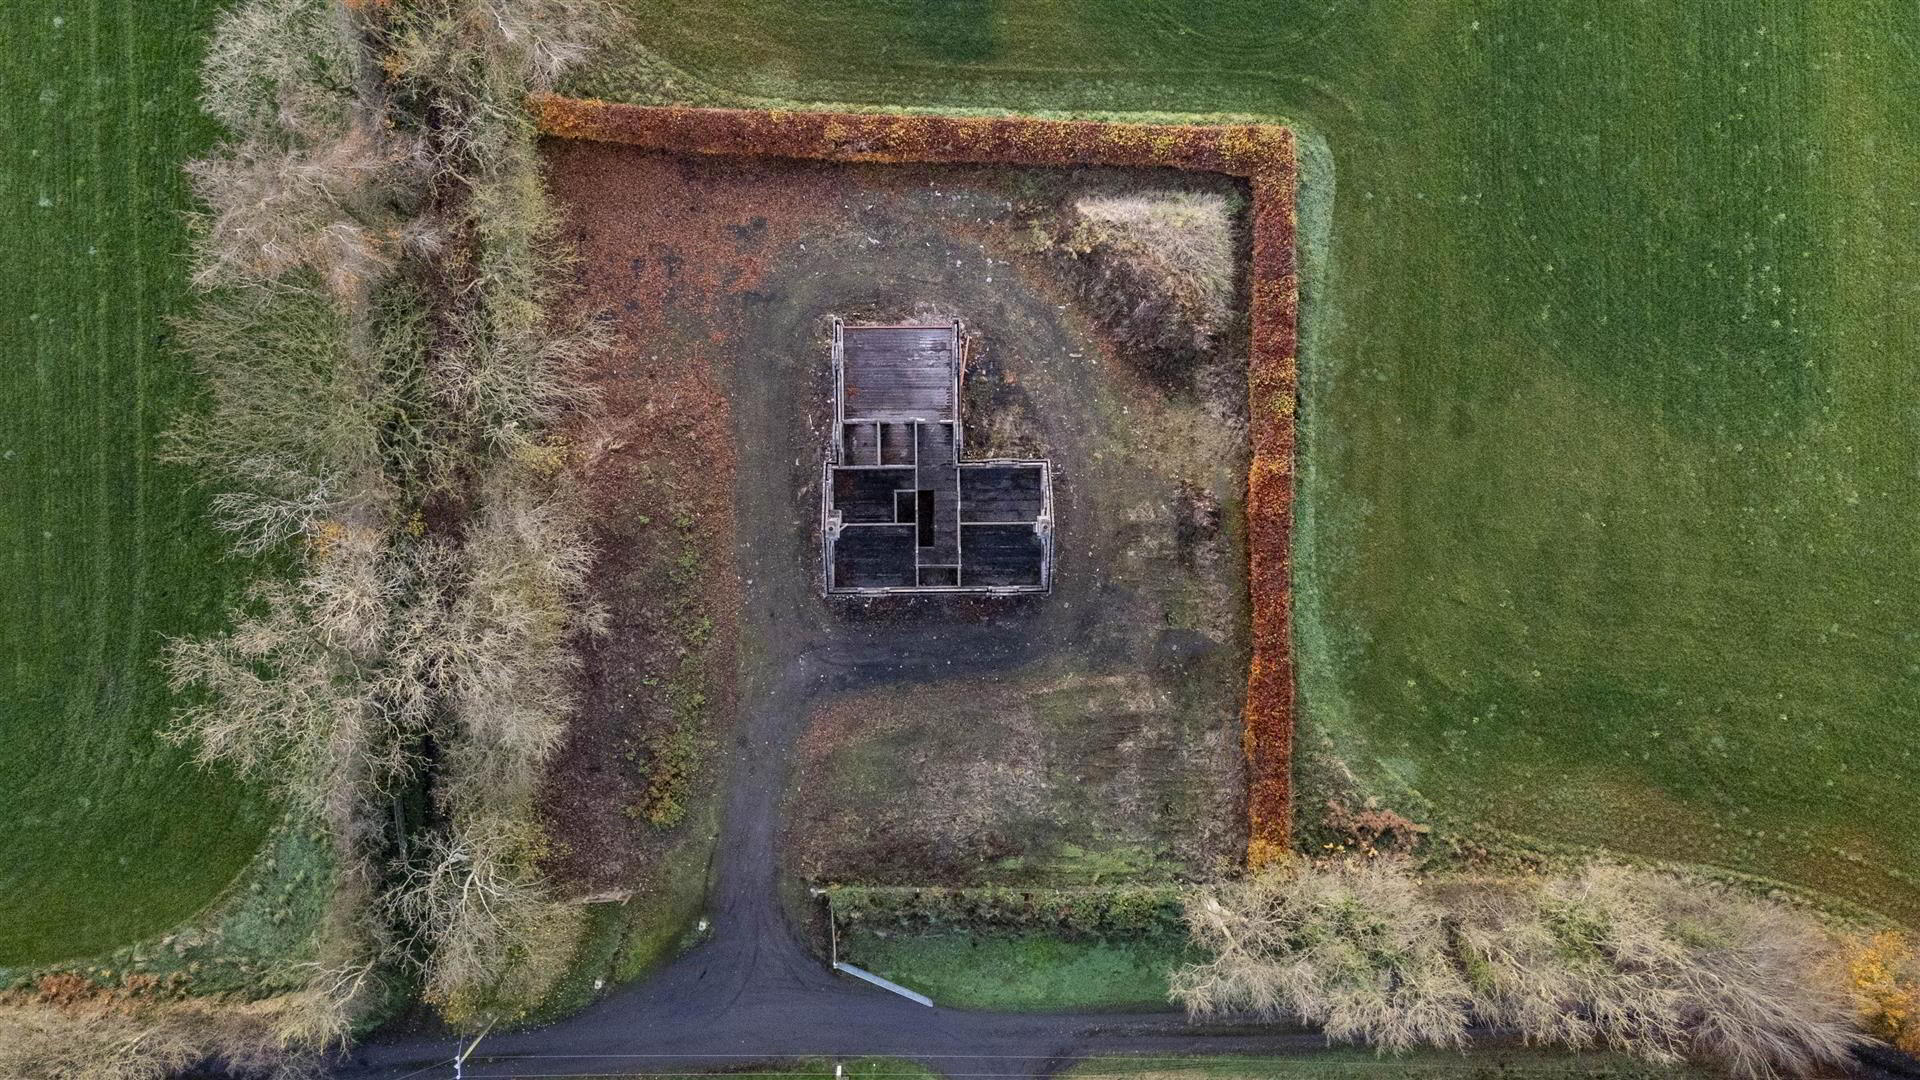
<point x="657" y="466"/>
<point x="721" y="273"/>
<point x="1263" y="155"/>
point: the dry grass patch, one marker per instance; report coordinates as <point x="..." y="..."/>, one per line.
<point x="1626" y="960"/>
<point x="1179" y="247"/>
<point x="61" y="1032"/>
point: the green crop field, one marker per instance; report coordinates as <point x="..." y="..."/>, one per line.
<point x="1608" y="532"/>
<point x="110" y="834"/>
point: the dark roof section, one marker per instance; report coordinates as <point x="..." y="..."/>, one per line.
<point x="1012" y="492"/>
<point x="881" y="556"/>
<point x="1003" y="555"/>
<point x="865" y="496"/>
<point x="899" y="373"/>
<point x="901" y="508"/>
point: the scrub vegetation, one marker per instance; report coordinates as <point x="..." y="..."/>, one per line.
<point x="1605" y="497"/>
<point x="1177" y="250"/>
<point x="1626" y="961"/>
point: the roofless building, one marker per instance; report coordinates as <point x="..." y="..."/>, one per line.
<point x="902" y="510"/>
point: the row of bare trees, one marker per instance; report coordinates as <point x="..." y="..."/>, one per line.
<point x="388" y="343"/>
<point x="1610" y="958"/>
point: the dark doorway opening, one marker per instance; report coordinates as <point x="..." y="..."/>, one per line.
<point x="924" y="516"/>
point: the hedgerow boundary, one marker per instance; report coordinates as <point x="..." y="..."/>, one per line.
<point x="1264" y="155"/>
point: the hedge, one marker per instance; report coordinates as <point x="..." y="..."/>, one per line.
<point x="1127" y="912"/>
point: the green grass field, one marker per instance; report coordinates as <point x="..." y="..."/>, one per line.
<point x="1022" y="972"/>
<point x="110" y="835"/>
<point x="1608" y="530"/>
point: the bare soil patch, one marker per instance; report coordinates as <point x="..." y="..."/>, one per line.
<point x="1264" y="156"/>
<point x="658" y="464"/>
<point x="1108" y="745"/>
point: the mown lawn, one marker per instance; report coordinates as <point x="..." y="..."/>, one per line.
<point x="111" y="835"/>
<point x="1022" y="972"/>
<point x="1608" y="530"/>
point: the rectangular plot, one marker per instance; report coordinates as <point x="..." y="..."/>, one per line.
<point x="1002" y="493"/>
<point x="875" y="557"/>
<point x="1001" y="555"/>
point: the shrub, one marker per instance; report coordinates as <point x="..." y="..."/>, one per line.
<point x="274" y="209"/>
<point x="1353" y="947"/>
<point x="497" y="638"/>
<point x="1636" y="962"/>
<point x="294" y="433"/>
<point x="281" y="69"/>
<point x="1117" y="912"/>
<point x="1372" y="830"/>
<point x="1884" y="972"/>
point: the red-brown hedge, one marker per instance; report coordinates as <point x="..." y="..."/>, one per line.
<point x="1263" y="154"/>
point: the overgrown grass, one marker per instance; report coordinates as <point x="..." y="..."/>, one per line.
<point x="1023" y="972"/>
<point x="1664" y="969"/>
<point x="1607" y="523"/>
<point x="111" y="835"/>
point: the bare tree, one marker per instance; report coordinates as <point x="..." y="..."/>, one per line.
<point x="1641" y="963"/>
<point x="1351" y="946"/>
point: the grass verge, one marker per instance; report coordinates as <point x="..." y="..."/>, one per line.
<point x="1023" y="972"/>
